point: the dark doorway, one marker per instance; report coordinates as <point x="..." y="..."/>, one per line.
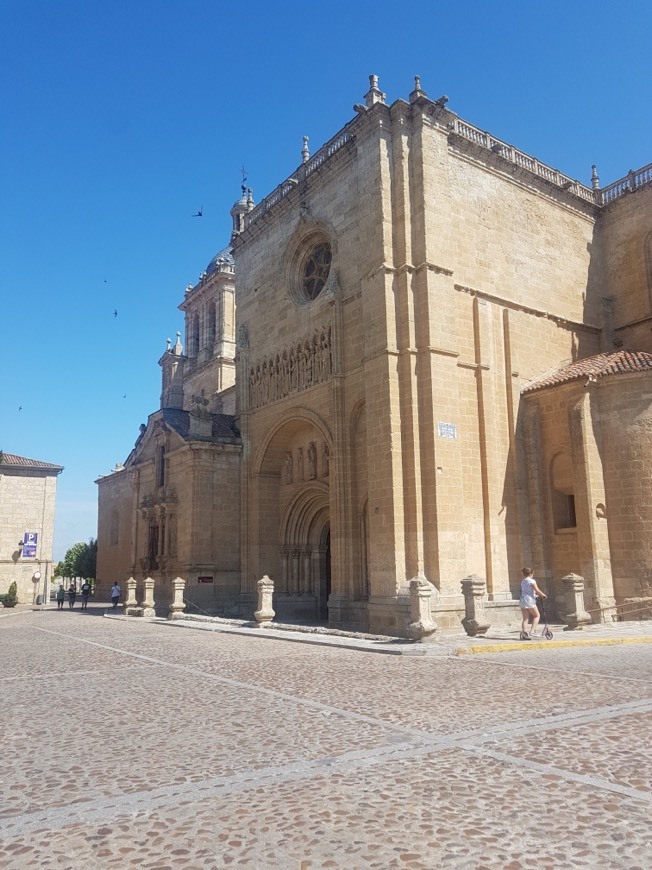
<point x="325" y="578"/>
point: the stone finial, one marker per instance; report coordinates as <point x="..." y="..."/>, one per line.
<point x="475" y="620"/>
<point x="178" y="348"/>
<point x="168" y="343"/>
<point x="305" y="151"/>
<point x="417" y="92"/>
<point x="576" y="615"/>
<point x="177" y="606"/>
<point x="422" y="625"/>
<point x="595" y="180"/>
<point x="374" y="94"/>
<point x="265" y="613"/>
<point x="250" y="199"/>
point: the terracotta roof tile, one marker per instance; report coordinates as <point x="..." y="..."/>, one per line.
<point x="11" y="460"/>
<point x="594" y="367"/>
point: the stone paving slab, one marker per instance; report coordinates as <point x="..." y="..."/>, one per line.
<point x="136" y="746"/>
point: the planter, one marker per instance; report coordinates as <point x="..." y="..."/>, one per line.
<point x="6" y="603"/>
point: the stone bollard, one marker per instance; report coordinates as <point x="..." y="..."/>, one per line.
<point x="475" y="620"/>
<point x="265" y="613"/>
<point x="422" y="625"/>
<point x="576" y="615"/>
<point x="131" y="604"/>
<point x="148" y="600"/>
<point x="178" y="605"/>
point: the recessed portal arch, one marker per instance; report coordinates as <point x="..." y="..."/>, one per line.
<point x="305" y="546"/>
<point x="290" y="513"/>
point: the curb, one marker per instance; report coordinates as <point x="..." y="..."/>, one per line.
<point x="547" y="644"/>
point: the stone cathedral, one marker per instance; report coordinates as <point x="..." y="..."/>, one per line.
<point x="425" y="354"/>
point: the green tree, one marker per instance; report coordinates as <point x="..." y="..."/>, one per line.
<point x="87" y="561"/>
<point x="80" y="561"/>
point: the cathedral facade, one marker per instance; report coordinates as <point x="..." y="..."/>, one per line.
<point x="439" y="364"/>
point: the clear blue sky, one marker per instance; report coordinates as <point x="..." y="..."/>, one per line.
<point x="121" y="118"/>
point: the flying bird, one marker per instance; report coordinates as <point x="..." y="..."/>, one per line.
<point x="115" y="312"/>
<point x="20" y="407"/>
<point x="124" y="396"/>
<point x="200" y="213"/>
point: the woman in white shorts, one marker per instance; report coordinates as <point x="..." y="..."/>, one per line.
<point x="528" y="602"/>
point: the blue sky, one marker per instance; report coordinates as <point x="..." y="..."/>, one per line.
<point x="120" y="119"/>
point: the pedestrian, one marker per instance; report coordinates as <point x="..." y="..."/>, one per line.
<point x="115" y="594"/>
<point x="85" y="593"/>
<point x="528" y="602"/>
<point x="61" y="596"/>
<point x="72" y="594"/>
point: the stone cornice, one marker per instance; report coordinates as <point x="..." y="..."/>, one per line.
<point x="525" y="309"/>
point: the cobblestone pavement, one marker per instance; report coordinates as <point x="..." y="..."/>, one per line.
<point x="129" y="744"/>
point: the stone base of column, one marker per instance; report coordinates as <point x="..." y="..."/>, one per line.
<point x="389" y="615"/>
<point x="606" y="610"/>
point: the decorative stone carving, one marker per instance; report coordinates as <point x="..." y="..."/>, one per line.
<point x="576" y="615"/>
<point x="475" y="621"/>
<point x="311" y="456"/>
<point x="148" y="600"/>
<point x="178" y="605"/>
<point x="297" y="368"/>
<point x="265" y="613"/>
<point x="243" y="336"/>
<point x="300" y="464"/>
<point x="286" y="474"/>
<point x="422" y="625"/>
<point x="325" y="460"/>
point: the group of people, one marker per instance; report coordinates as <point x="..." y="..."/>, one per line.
<point x="85" y="592"/>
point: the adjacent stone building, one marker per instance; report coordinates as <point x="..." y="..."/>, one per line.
<point x="443" y="368"/>
<point x="27" y="500"/>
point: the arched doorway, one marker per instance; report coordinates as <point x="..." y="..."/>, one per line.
<point x="304" y="549"/>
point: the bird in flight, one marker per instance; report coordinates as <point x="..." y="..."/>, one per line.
<point x="20" y="407"/>
<point x="115" y="312"/>
<point x="200" y="213"/>
<point x="124" y="396"/>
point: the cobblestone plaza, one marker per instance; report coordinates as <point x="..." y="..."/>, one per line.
<point x="135" y="744"/>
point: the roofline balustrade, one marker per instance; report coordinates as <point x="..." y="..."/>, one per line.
<point x="595" y="195"/>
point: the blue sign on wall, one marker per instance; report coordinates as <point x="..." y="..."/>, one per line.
<point x="30" y="540"/>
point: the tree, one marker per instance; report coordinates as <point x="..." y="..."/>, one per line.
<point x="80" y="561"/>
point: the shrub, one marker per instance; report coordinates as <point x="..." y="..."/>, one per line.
<point x="11" y="598"/>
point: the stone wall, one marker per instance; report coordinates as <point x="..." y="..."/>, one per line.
<point x="27" y="503"/>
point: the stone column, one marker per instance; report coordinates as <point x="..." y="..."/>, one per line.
<point x="475" y="621"/>
<point x="293" y="586"/>
<point x="148" y="600"/>
<point x="131" y="604"/>
<point x="421" y="624"/>
<point x="265" y="613"/>
<point x="178" y="604"/>
<point x="306" y="585"/>
<point x="285" y="584"/>
<point x="574" y="593"/>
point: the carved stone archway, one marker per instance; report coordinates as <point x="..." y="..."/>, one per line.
<point x="304" y="549"/>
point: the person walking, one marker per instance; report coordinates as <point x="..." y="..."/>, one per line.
<point x="85" y="594"/>
<point x="72" y="594"/>
<point x="115" y="594"/>
<point x="528" y="602"/>
<point x="61" y="596"/>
